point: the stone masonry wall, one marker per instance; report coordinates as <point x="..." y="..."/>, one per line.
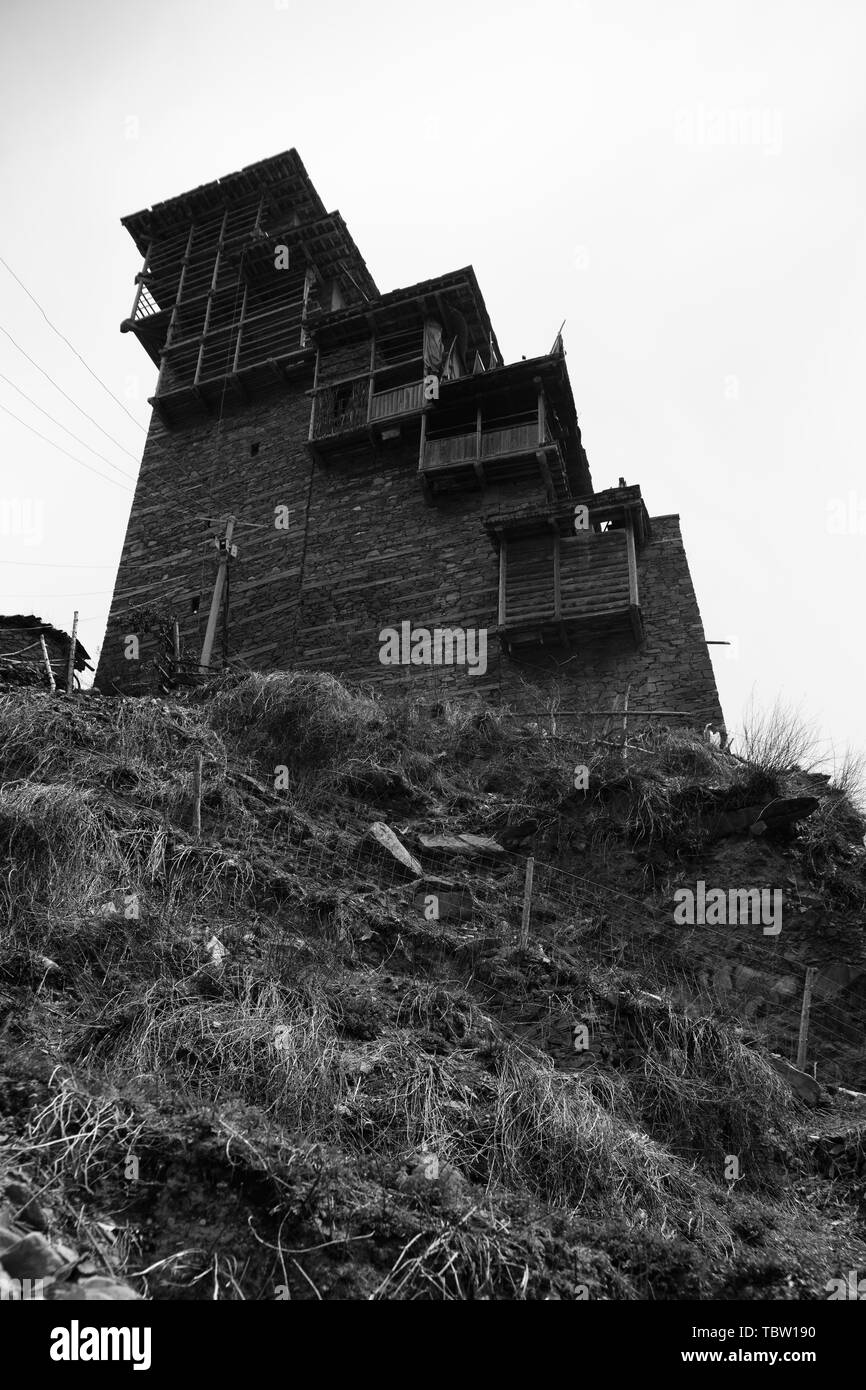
<point x="364" y="552"/>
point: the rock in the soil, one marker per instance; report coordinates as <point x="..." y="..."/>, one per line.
<point x="462" y="844"/>
<point x="383" y="835"/>
<point x="217" y="952"/>
<point x="805" y="1086"/>
<point x="28" y="1257"/>
<point x="25" y="1208"/>
<point x="424" y="1172"/>
<point x="98" y="1288"/>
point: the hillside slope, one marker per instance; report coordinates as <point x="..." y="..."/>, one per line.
<point x="316" y="1051"/>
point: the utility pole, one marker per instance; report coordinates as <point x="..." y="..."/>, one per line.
<point x="226" y="549"/>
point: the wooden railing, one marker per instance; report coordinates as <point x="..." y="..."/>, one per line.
<point x="495" y="443"/>
<point x="350" y="405"/>
<point x="399" y="400"/>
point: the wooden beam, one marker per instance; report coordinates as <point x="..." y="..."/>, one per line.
<point x="527" y="903"/>
<point x="196" y="796"/>
<point x="70" y="669"/>
<point x="423" y="442"/>
<point x="240" y="331"/>
<point x="372" y="378"/>
<point x="557" y="586"/>
<point x="502" y="580"/>
<point x="49" y="672"/>
<point x="210" y="295"/>
<point x="541" y="414"/>
<point x="172" y="323"/>
<point x="139" y="279"/>
<point x="632" y="564"/>
<point x="308" y="272"/>
<point x="803" y="1039"/>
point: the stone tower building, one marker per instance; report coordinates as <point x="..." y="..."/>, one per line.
<point x="354" y="482"/>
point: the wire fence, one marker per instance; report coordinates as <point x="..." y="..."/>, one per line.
<point x="460" y="899"/>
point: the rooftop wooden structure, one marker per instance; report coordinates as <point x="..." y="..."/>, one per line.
<point x="210" y="307"/>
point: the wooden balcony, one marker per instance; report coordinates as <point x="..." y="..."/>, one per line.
<point x="558" y="589"/>
<point x="353" y="411"/>
<point x="487" y="457"/>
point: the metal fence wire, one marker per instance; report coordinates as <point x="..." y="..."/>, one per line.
<point x="735" y="973"/>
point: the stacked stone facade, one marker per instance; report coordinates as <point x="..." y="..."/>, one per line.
<point x="364" y="550"/>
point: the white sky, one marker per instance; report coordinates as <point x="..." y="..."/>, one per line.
<point x="683" y="182"/>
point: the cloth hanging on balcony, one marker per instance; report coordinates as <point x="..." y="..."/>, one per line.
<point x="434" y="350"/>
<point x="451" y="368"/>
<point x="461" y="331"/>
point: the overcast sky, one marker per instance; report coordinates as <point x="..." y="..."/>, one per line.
<point x="683" y="183"/>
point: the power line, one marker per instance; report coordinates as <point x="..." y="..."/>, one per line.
<point x="51" y="565"/>
<point x="63" y="393"/>
<point x="90" y="593"/>
<point x="50" y="417"/>
<point x="69" y="345"/>
<point x="61" y="450"/>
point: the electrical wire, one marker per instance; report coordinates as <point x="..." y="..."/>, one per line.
<point x="90" y="593"/>
<point x="52" y="565"/>
<point x="61" y="450"/>
<point x="49" y="416"/>
<point x="68" y="397"/>
<point x="69" y="345"/>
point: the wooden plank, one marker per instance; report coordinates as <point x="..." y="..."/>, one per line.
<point x="423" y="447"/>
<point x="172" y="324"/>
<point x="70" y="669"/>
<point x="557" y="587"/>
<point x="527" y="903"/>
<point x="502" y="579"/>
<point x="211" y="292"/>
<point x="240" y="333"/>
<point x="196" y="796"/>
<point x="372" y="377"/>
<point x="802" y="1042"/>
<point x="632" y="563"/>
<point x="51" y="682"/>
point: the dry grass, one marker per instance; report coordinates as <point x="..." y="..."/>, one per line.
<point x="779" y="741"/>
<point x="704" y="1093"/>
<point x="296" y="719"/>
<point x="383" y="1067"/>
<point x="57" y="847"/>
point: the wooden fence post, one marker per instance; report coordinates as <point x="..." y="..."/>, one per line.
<point x="527" y="902"/>
<point x="70" y="669"/>
<point x="51" y="681"/>
<point x="625" y="726"/>
<point x="811" y="972"/>
<point x="196" y="796"/>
